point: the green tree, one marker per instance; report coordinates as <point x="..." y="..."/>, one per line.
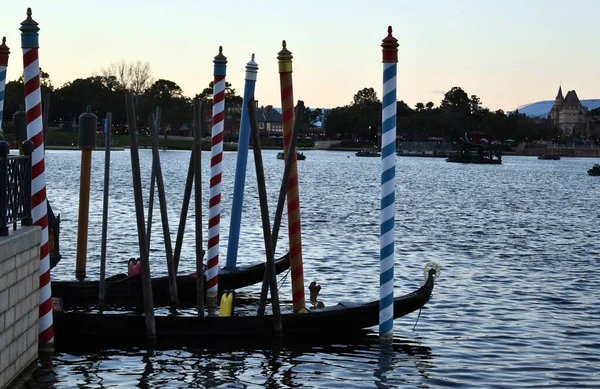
<point x="429" y="105"/>
<point x="176" y="109"/>
<point x="420" y="107"/>
<point x="365" y="96"/>
<point x="456" y="100"/>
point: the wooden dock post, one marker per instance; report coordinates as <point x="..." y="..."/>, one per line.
<point x="264" y="214"/>
<point x="156" y="168"/>
<point x="282" y="193"/>
<point x="152" y="182"/>
<point x="101" y="289"/>
<point x="87" y="142"/>
<point x="198" y="106"/>
<point x="187" y="194"/>
<point x="139" y="213"/>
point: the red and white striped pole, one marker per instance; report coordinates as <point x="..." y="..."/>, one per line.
<point x="39" y="208"/>
<point x="284" y="58"/>
<point x="216" y="169"/>
<point x="4" y="52"/>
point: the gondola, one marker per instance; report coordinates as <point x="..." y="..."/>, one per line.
<point x="127" y="291"/>
<point x="341" y="321"/>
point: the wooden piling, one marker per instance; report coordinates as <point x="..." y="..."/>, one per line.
<point x="198" y="106"/>
<point x="139" y="213"/>
<point x="152" y="182"/>
<point x="264" y="214"/>
<point x="102" y="290"/>
<point x="157" y="169"/>
<point x="281" y="200"/>
<point x="187" y="194"/>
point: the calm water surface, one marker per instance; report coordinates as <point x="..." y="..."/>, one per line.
<point x="516" y="305"/>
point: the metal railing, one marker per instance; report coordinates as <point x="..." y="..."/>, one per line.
<point x="15" y="187"/>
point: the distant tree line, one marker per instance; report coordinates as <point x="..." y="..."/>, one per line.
<point x="456" y="114"/>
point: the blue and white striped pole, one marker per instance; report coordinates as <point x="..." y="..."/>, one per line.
<point x="240" y="167"/>
<point x="388" y="187"/>
<point x="4" y="52"/>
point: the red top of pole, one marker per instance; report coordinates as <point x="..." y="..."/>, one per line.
<point x="390" y="47"/>
<point x="4" y="52"/>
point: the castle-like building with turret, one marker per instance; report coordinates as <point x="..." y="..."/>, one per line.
<point x="568" y="114"/>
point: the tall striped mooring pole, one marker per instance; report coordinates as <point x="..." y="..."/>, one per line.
<point x="39" y="208"/>
<point x="240" y="167"/>
<point x="293" y="197"/>
<point x="4" y="52"/>
<point x="216" y="171"/>
<point x="388" y="187"/>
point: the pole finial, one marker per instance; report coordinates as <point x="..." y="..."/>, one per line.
<point x="285" y="59"/>
<point x="4" y="52"/>
<point x="220" y="62"/>
<point x="390" y="47"/>
<point x="251" y="69"/>
<point x="29" y="32"/>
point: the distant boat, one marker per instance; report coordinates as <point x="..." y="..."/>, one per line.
<point x="549" y="157"/>
<point x="480" y="153"/>
<point x="299" y="156"/>
<point x="368" y="153"/>
<point x="594" y="171"/>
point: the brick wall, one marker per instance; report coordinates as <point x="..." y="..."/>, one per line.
<point x="19" y="299"/>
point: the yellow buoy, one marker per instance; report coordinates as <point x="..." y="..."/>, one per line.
<point x="226" y="307"/>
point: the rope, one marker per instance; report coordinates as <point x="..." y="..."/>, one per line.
<point x="415" y="326"/>
<point x="283" y="279"/>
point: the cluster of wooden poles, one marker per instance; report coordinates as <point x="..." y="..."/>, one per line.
<point x="193" y="176"/>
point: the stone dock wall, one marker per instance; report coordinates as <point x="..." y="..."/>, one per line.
<point x="19" y="299"/>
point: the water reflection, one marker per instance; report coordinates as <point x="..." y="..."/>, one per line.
<point x="341" y="365"/>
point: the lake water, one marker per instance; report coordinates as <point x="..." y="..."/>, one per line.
<point x="516" y="305"/>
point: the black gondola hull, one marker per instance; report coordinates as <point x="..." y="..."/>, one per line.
<point x="80" y="329"/>
<point x="127" y="291"/>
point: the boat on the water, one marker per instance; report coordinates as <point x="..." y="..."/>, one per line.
<point x="299" y="156"/>
<point x="547" y="156"/>
<point x="327" y="324"/>
<point x="368" y="153"/>
<point x="478" y="153"/>
<point x="123" y="290"/>
<point x="594" y="171"/>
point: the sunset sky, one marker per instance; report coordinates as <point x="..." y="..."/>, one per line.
<point x="507" y="52"/>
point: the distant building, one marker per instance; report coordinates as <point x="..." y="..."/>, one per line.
<point x="270" y="121"/>
<point x="568" y="114"/>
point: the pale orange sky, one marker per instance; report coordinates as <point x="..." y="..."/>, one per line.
<point x="508" y="53"/>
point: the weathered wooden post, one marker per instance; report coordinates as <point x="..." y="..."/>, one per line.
<point x="264" y="214"/>
<point x="101" y="289"/>
<point x="281" y="201"/>
<point x="157" y="171"/>
<point x="87" y="142"/>
<point x="139" y="213"/>
<point x="198" y="106"/>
